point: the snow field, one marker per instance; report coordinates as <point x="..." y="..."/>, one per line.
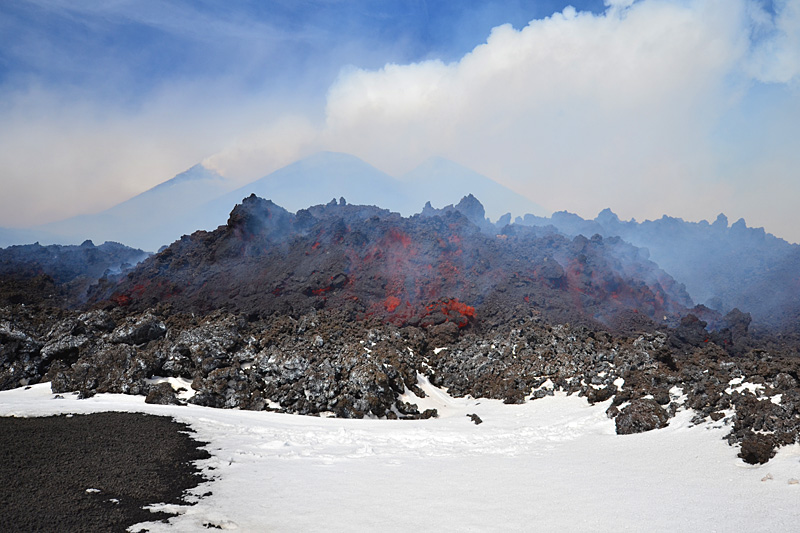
<point x="550" y="463"/>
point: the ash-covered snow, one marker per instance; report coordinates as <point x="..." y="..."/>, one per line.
<point x="553" y="463"/>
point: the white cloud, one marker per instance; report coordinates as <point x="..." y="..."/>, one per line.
<point x="64" y="154"/>
<point x="578" y="111"/>
<point x="775" y="56"/>
<point x="267" y="148"/>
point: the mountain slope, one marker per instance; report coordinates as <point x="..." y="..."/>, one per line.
<point x="443" y="182"/>
<point x="148" y="220"/>
<point x="18" y="236"/>
<point x="316" y="179"/>
<point x="201" y="199"/>
<point x="324" y="176"/>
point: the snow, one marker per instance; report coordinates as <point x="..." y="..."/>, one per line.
<point x="181" y="386"/>
<point x="739" y="385"/>
<point x="550" y="463"/>
<point x="677" y="395"/>
<point x="547" y="385"/>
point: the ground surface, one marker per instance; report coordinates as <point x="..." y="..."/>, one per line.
<point x="554" y="463"/>
<point x="91" y="472"/>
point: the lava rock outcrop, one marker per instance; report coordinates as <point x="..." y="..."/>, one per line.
<point x="424" y="270"/>
<point x="341" y="309"/>
<point x="322" y="363"/>
<point x="60" y="275"/>
<point x="724" y="266"/>
<point x="643" y="414"/>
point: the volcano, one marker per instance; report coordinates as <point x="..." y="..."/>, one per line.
<point x="346" y="309"/>
<point x="201" y="198"/>
<point x="440" y="266"/>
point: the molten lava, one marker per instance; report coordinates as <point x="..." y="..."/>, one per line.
<point x="391" y="303"/>
<point x="423" y="270"/>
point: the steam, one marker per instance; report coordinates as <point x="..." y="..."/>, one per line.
<point x="649" y="107"/>
<point x="627" y="99"/>
<point x="722" y="267"/>
<point x="775" y="58"/>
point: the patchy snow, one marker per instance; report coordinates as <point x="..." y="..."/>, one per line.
<point x="677" y="395"/>
<point x="436" y="398"/>
<point x="739" y="385"/>
<point x="553" y="463"/>
<point x="273" y="405"/>
<point x="181" y="386"/>
<point x="547" y="385"/>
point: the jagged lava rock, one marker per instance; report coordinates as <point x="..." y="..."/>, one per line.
<point x="423" y="270"/>
<point x="643" y="414"/>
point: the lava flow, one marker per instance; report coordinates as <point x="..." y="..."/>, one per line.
<point x="430" y="269"/>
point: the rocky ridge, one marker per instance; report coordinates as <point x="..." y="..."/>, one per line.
<point x="441" y="265"/>
<point x="340" y="309"/>
<point x="60" y="275"/>
<point x="722" y="265"/>
<point x="322" y="363"/>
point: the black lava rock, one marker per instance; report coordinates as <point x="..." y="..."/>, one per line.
<point x="640" y="416"/>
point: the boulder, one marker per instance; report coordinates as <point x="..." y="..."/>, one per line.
<point x="643" y="414"/>
<point x="162" y="394"/>
<point x="757" y="449"/>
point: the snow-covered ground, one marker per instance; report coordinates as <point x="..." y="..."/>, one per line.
<point x="547" y="464"/>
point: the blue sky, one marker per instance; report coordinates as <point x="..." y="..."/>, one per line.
<point x="124" y="51"/>
<point x="685" y="107"/>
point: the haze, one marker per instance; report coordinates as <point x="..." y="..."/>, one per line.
<point x="681" y="107"/>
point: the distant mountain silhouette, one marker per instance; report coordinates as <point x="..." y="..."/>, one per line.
<point x="202" y="199"/>
<point x="148" y="220"/>
<point x="314" y="180"/>
<point x="441" y="182"/>
<point x="722" y="266"/>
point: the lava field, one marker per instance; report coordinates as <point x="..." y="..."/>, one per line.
<point x="339" y="308"/>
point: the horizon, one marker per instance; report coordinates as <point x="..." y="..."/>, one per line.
<point x="648" y="108"/>
<point x="711" y="219"/>
<point x="401" y="178"/>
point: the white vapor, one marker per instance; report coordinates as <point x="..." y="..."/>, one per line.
<point x="67" y="155"/>
<point x="630" y="109"/>
<point x="578" y="111"/>
<point x="776" y="57"/>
